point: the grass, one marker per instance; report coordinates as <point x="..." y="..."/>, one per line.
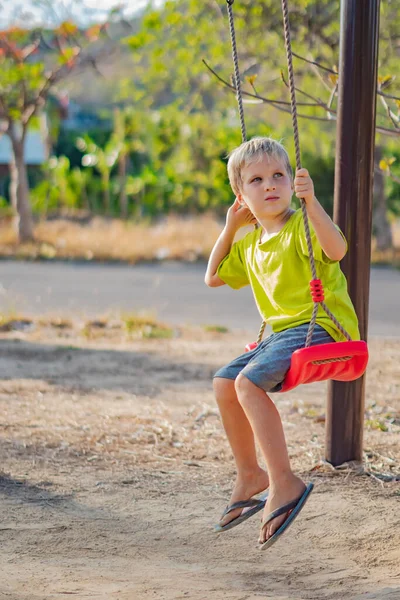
<point x="135" y="326"/>
<point x="98" y="238"/>
<point x="132" y="325"/>
<point x="144" y="326"/>
<point x="215" y="329"/>
<point x="56" y="322"/>
<point x="376" y="424"/>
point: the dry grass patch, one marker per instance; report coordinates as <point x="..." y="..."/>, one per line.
<point x="114" y="239"/>
<point x="124" y="326"/>
<point x="97" y="238"/>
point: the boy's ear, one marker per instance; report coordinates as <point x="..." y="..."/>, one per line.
<point x="240" y="198"/>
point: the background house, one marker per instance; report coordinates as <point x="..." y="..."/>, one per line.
<point x="36" y="153"/>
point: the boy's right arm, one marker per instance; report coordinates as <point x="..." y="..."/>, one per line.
<point x="221" y="249"/>
<point x="237" y="216"/>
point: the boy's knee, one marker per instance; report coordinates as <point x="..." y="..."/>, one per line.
<point x="244" y="387"/>
<point x="223" y="386"/>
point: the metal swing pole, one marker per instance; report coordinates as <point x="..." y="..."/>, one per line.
<point x="355" y="141"/>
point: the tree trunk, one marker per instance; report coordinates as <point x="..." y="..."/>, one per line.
<point x="13" y="185"/>
<point x="123" y="198"/>
<point x="380" y="223"/>
<point x="106" y="192"/>
<point x="19" y="188"/>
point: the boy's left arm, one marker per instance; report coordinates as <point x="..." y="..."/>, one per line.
<point x="330" y="239"/>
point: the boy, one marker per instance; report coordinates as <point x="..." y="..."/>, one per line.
<point x="273" y="259"/>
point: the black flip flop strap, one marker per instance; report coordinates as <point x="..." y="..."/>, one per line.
<point x="281" y="511"/>
<point x="242" y="504"/>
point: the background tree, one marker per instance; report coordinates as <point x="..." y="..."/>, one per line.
<point x="32" y="63"/>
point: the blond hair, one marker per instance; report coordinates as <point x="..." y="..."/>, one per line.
<point x="253" y="151"/>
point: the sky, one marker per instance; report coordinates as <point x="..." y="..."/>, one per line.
<point x="23" y="11"/>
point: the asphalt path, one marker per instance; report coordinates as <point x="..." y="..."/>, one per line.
<point x="173" y="292"/>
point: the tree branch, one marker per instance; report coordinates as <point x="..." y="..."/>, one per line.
<point x="31" y="49"/>
<point x="276" y="103"/>
<point x="316" y="64"/>
<point x="387" y="131"/>
<point x="317" y="101"/>
<point x="332" y="72"/>
<point x="380" y="93"/>
<point x="281" y="105"/>
<point x="394" y="118"/>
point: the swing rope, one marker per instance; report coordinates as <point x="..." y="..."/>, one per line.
<point x="236" y="70"/>
<point x="316" y="288"/>
<point x="236" y="82"/>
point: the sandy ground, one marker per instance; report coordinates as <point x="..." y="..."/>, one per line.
<point x="114" y="467"/>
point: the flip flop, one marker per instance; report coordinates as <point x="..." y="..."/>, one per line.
<point x="294" y="507"/>
<point x="254" y="505"/>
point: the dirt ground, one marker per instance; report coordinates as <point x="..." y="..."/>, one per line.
<point x="114" y="467"/>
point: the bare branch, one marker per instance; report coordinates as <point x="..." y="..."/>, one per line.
<point x="387" y="131"/>
<point x="318" y="74"/>
<point x="284" y="106"/>
<point x="380" y="93"/>
<point x="255" y="95"/>
<point x="54" y="77"/>
<point x="332" y="72"/>
<point x="31" y="49"/>
<point x="331" y="98"/>
<point x="313" y="62"/>
<point x="394" y="118"/>
<point x="317" y="101"/>
<point x="93" y="63"/>
<point x="31" y="109"/>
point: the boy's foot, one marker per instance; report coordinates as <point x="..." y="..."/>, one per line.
<point x="278" y="496"/>
<point x="244" y="489"/>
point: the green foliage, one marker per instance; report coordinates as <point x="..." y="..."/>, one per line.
<point x="27" y="75"/>
<point x="19" y="84"/>
<point x="177" y="123"/>
<point x="196" y="117"/>
<point x="5" y="209"/>
<point x="54" y="191"/>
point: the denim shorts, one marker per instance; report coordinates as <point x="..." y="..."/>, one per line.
<point x="267" y="365"/>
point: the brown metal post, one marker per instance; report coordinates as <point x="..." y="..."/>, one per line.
<point x="353" y="204"/>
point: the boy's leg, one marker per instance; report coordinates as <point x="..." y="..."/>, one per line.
<point x="266" y="423"/>
<point x="265" y="372"/>
<point x="251" y="478"/>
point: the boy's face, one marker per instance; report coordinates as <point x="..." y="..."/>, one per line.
<point x="267" y="188"/>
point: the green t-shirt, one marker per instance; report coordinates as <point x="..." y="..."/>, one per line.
<point x="278" y="271"/>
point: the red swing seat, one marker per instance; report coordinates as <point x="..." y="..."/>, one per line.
<point x="341" y="361"/>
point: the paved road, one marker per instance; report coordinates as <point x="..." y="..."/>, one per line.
<point x="174" y="292"/>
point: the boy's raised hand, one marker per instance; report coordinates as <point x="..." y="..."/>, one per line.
<point x="304" y="186"/>
<point x="238" y="216"/>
